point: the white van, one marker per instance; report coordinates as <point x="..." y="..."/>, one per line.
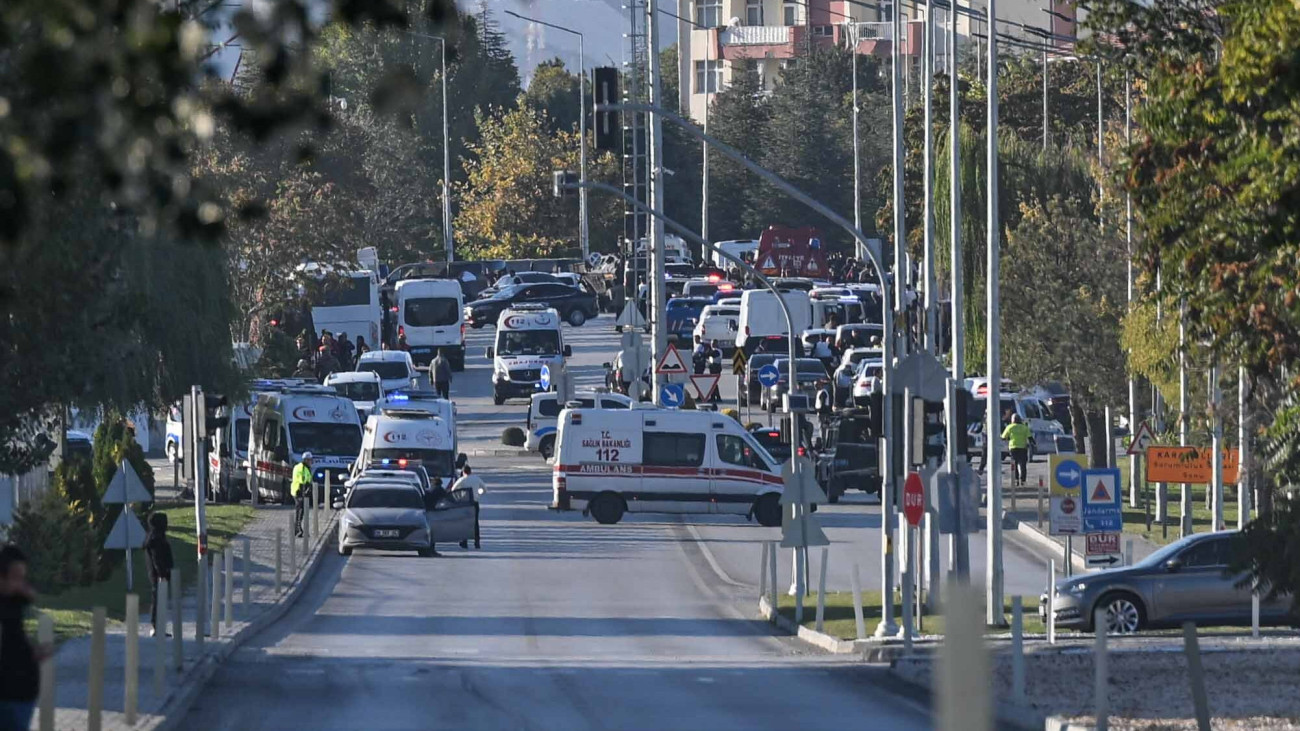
<point x="412" y="433"/>
<point x="659" y="461"/>
<point x="544" y="411"/>
<point x="430" y="313"/>
<point x="1044" y="429"/>
<point x="228" y="447"/>
<point x="718" y="322"/>
<point x="395" y="368"/>
<point x="760" y="316"/>
<point x="297" y="419"/>
<point x="740" y="248"/>
<point x="527" y="338"/>
<point x="363" y="387"/>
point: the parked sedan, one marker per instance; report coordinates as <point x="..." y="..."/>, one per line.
<point x="388" y="516"/>
<point x="1184" y="581"/>
<point x="574" y="304"/>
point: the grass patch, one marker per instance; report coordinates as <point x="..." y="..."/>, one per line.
<point x="1135" y="519"/>
<point x="72" y="609"/>
<point x="840" y="622"/>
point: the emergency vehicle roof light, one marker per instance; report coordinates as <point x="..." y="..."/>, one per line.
<point x="399" y="397"/>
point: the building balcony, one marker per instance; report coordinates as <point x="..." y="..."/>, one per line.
<point x="784" y="41"/>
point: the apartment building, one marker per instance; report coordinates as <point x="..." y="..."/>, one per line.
<point x="773" y="33"/>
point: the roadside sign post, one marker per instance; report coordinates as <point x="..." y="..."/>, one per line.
<point x="127" y="533"/>
<point x="799" y="529"/>
<point x="1102" y="550"/>
<point x="672" y="395"/>
<point x="1065" y="508"/>
<point x="1103" y="516"/>
<point x="545" y="380"/>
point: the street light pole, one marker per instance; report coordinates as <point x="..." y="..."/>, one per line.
<point x="584" y="239"/>
<point x="927" y="81"/>
<point x="446" y="161"/>
<point x="959" y="550"/>
<point x="993" y="430"/>
<point x="857" y="157"/>
<point x="658" y="335"/>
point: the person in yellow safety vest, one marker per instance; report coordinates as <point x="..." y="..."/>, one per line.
<point x="299" y="487"/>
<point x="1017" y="437"/>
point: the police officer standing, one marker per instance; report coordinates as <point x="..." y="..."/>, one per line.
<point x="301" y="484"/>
<point x="474" y="485"/>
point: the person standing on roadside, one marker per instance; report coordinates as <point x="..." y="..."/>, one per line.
<point x="158" y="554"/>
<point x="440" y="374"/>
<point x="1017" y="438"/>
<point x="20" y="661"/>
<point x="299" y="489"/>
<point x="474" y="484"/>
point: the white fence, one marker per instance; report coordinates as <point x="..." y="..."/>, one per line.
<point x="18" y="489"/>
<point x="756" y="35"/>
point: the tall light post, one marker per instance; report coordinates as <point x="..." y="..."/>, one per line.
<point x="583" y="230"/>
<point x="927" y="81"/>
<point x="709" y="90"/>
<point x="446" y="149"/>
<point x="993" y="430"/>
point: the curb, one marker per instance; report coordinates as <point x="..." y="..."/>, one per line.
<point x="1045" y="542"/>
<point x="178" y="703"/>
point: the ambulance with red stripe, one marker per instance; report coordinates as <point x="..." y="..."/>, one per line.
<point x="297" y="419"/>
<point x="611" y="462"/>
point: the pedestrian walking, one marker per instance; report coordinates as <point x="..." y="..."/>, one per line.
<point x="20" y="673"/>
<point x="440" y="374"/>
<point x="362" y="348"/>
<point x="304" y="370"/>
<point x="474" y="484"/>
<point x="1017" y="437"/>
<point x="301" y="484"/>
<point x="158" y="555"/>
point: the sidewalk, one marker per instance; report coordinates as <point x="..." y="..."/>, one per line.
<point x="155" y="709"/>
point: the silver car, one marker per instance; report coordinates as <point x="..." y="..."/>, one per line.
<point x="387" y="516"/>
<point x="1184" y="581"/>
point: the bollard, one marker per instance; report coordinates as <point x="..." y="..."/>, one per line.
<point x="315" y="518"/>
<point x="131" y="689"/>
<point x="1051" y="602"/>
<point x="95" y="688"/>
<point x="1100" y="697"/>
<point x="1040" y="503"/>
<point x="248" y="576"/>
<point x="1196" y="674"/>
<point x="1254" y="614"/>
<point x="1128" y="552"/>
<point x="821" y="592"/>
<point x="178" y="641"/>
<point x="327" y="503"/>
<point x="160" y="609"/>
<point x="306" y="537"/>
<point x="762" y="573"/>
<point x="909" y="621"/>
<point x="859" y="624"/>
<point x="1018" y="649"/>
<point x="200" y="604"/>
<point x="293" y="557"/>
<point x="279" y="559"/>
<point x="214" y="614"/>
<point x="962" y="699"/>
<point x="771" y="577"/>
<point x="45" y="636"/>
<point x="228" y="588"/>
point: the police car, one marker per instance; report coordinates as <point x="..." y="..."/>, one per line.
<point x="544" y="410"/>
<point x="527" y="338"/>
<point x="657" y="461"/>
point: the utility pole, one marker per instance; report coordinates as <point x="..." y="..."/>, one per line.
<point x="857" y="157"/>
<point x="927" y="93"/>
<point x="1185" y="496"/>
<point x="896" y="64"/>
<point x="659" y="337"/>
<point x="1045" y="134"/>
<point x="1135" y="481"/>
<point x="1243" y="447"/>
<point x="1216" y="447"/>
<point x="446" y="161"/>
<point x="993" y="427"/>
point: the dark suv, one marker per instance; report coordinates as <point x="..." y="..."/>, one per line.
<point x="574" y="305"/>
<point x="848" y="456"/>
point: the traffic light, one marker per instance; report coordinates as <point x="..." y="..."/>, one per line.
<point x="211" y="421"/>
<point x="608" y="125"/>
<point x="563" y="182"/>
<point x="932" y="429"/>
<point x="962" y="417"/>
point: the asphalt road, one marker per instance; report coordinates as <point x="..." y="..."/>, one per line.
<point x="558" y="623"/>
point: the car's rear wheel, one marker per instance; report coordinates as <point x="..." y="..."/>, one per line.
<point x="577" y="317"/>
<point x="1124" y="613"/>
<point x="547" y="447"/>
<point x="767" y="511"/>
<point x="607" y="508"/>
<point x="425" y="552"/>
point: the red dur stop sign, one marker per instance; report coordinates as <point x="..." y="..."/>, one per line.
<point x="913" y="499"/>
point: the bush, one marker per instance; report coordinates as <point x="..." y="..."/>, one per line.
<point x="114" y="442"/>
<point x="513" y="436"/>
<point x="59" y="535"/>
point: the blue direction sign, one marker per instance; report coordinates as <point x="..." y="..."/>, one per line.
<point x="672" y="395"/>
<point x="545" y="381"/>
<point x="768" y="375"/>
<point x="1101" y="501"/>
<point x="1068" y="474"/>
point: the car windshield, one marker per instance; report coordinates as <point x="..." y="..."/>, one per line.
<point x="528" y="342"/>
<point x="387" y="369"/>
<point x="435" y="461"/>
<point x="861" y="355"/>
<point x="241" y="435"/>
<point x="431" y="312"/>
<point x="358" y="390"/>
<point x="808" y="368"/>
<point x="386" y="497"/>
<point x="857" y="336"/>
<point x="342" y="440"/>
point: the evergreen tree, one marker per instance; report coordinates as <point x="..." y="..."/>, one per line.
<point x="739" y="116"/>
<point x="683" y="155"/>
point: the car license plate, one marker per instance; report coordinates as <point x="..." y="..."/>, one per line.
<point x="421" y="350"/>
<point x="385" y="533"/>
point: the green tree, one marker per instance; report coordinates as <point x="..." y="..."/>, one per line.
<point x="739" y="117"/>
<point x="554" y="91"/>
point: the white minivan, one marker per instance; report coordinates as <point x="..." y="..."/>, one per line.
<point x="430" y="313"/>
<point x="395" y="368"/>
<point x="761" y="316"/>
<point x="660" y="461"/>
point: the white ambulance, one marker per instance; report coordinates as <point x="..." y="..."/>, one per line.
<point x="527" y="338"/>
<point x="610" y="462"/>
<point x="413" y="431"/>
<point x="228" y="447"/>
<point x="297" y="419"/>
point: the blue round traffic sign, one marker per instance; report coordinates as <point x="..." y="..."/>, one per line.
<point x="546" y="377"/>
<point x="768" y="375"/>
<point x="1068" y="473"/>
<point x="672" y="395"/>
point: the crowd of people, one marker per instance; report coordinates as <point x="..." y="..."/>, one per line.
<point x="317" y="358"/>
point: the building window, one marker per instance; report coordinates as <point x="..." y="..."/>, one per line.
<point x="791" y="13"/>
<point x="708" y="13"/>
<point x="753" y="12"/>
<point x="708" y="77"/>
<point x="823" y="30"/>
<point x="887" y="12"/>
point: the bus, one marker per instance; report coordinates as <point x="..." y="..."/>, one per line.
<point x="349" y="305"/>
